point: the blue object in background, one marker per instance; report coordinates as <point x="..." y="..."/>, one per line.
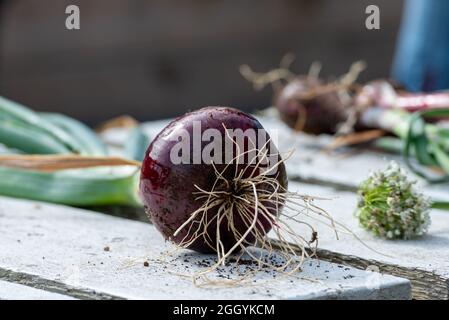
<point x="421" y="61"/>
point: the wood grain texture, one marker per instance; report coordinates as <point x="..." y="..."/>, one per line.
<point x="424" y="260"/>
<point x="15" y="291"/>
<point x="63" y="250"/>
<point x="336" y="176"/>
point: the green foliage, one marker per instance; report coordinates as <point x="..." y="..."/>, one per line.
<point x="77" y="187"/>
<point x="429" y="144"/>
<point x="25" y="131"/>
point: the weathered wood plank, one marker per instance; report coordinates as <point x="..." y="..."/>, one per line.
<point x="309" y="164"/>
<point x="425" y="260"/>
<point x="15" y="291"/>
<point x="91" y="255"/>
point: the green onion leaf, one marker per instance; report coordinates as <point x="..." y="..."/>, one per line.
<point x="87" y="138"/>
<point x="77" y="187"/>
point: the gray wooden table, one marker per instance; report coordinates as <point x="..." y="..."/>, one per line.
<point x="57" y="252"/>
<point x="81" y="254"/>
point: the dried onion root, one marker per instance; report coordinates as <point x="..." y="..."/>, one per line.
<point x="291" y="248"/>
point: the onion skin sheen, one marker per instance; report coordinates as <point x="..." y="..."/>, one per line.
<point x="168" y="190"/>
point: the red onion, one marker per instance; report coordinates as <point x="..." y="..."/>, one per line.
<point x="209" y="206"/>
<point x="307" y="105"/>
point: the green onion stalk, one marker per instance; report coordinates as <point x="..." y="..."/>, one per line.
<point x="24" y="132"/>
<point x="318" y="106"/>
<point x="314" y="105"/>
<point x="426" y="142"/>
<point x="425" y="146"/>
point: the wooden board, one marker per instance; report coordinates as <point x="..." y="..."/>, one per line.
<point x="424" y="260"/>
<point x="94" y="256"/>
<point x="15" y="291"/>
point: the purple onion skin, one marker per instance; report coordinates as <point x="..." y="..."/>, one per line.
<point x="323" y="112"/>
<point x="167" y="189"/>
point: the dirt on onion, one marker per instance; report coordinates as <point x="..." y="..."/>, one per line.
<point x="202" y="198"/>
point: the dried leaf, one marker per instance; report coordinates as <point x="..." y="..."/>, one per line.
<point x="354" y="138"/>
<point x="61" y="162"/>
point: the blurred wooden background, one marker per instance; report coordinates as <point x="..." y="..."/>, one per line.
<point x="159" y="58"/>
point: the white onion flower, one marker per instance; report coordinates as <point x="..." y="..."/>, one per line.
<point x="390" y="207"/>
